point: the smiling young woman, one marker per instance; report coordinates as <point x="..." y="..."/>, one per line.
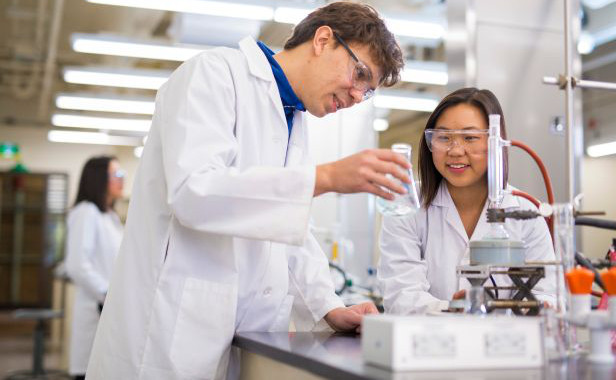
<point x="420" y="253"/>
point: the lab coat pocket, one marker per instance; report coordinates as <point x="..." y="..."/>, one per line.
<point x="281" y="323"/>
<point x="204" y="329"/>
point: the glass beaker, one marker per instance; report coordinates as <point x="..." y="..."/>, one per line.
<point x="475" y="301"/>
<point x="402" y="204"/>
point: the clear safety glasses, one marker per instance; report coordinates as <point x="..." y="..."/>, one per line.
<point x="118" y="174"/>
<point x="362" y="76"/>
<point x="474" y="141"/>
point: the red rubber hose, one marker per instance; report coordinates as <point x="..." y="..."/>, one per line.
<point x="544" y="171"/>
<point x="536" y="202"/>
<point x="546" y="180"/>
<point x="527" y="196"/>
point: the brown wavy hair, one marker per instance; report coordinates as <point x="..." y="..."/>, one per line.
<point x="488" y="104"/>
<point x="358" y="23"/>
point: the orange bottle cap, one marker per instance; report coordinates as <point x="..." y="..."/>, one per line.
<point x="609" y="280"/>
<point x="580" y="280"/>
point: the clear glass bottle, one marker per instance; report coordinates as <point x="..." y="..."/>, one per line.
<point x="403" y="204"/>
<point x="496" y="181"/>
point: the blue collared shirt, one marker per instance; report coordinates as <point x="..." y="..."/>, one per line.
<point x="290" y="101"/>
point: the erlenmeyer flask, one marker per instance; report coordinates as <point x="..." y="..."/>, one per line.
<point x="403" y="204"/>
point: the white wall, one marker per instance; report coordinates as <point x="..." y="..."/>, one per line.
<point x="40" y="155"/>
<point x="331" y="138"/>
<point x="510" y="46"/>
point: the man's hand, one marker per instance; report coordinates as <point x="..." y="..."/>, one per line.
<point x="363" y="172"/>
<point x="349" y="318"/>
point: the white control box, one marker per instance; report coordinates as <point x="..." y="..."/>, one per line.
<point x="406" y="343"/>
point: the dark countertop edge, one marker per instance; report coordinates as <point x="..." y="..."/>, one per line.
<point x="293" y="359"/>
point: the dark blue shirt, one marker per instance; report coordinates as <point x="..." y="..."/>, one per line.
<point x="290" y="101"/>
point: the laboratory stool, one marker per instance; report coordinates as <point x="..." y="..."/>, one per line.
<point x="37" y="371"/>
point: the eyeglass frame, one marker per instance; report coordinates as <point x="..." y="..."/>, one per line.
<point x="455" y="132"/>
<point x="369" y="91"/>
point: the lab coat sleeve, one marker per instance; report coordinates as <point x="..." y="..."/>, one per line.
<point x="80" y="248"/>
<point x="197" y="116"/>
<point x="539" y="247"/>
<point x="401" y="272"/>
<point x="311" y="284"/>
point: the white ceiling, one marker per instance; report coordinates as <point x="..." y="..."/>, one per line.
<point x="26" y="39"/>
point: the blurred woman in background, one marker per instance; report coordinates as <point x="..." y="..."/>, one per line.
<point x="94" y="233"/>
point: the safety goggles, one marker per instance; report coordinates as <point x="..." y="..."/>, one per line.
<point x="472" y="140"/>
<point x="362" y="76"/>
<point x="118" y="174"/>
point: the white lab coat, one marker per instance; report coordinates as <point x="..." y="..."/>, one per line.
<point x="92" y="242"/>
<point x="419" y="254"/>
<point x="217" y="234"/>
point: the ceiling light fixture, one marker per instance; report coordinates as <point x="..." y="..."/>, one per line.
<point x="401" y="100"/>
<point x="600" y="150"/>
<point x="425" y="72"/>
<point x="124" y="47"/>
<point x="90" y="138"/>
<point x="212" y="8"/>
<point x="128" y="78"/>
<point x="103" y="123"/>
<point x="416" y="29"/>
<point x="288" y="15"/>
<point x="380" y="125"/>
<point x="88" y="102"/>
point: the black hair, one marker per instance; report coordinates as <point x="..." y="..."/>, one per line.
<point x="94" y="182"/>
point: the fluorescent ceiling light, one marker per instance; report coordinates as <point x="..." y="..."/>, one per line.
<point x="104" y="123"/>
<point x="119" y="46"/>
<point x="129" y="78"/>
<point x="600" y="150"/>
<point x="90" y="138"/>
<point x="425" y="72"/>
<point x="404" y="101"/>
<point x="586" y="43"/>
<point x="407" y="28"/>
<point x="212" y="8"/>
<point x="380" y="125"/>
<point x="86" y="102"/>
<point x="596" y="4"/>
<point x="138" y="151"/>
<point x="289" y="15"/>
<point x="417" y="29"/>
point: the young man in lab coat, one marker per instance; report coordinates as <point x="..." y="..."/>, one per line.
<point x="217" y="238"/>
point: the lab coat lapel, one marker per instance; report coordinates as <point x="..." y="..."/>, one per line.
<point x="443" y="198"/>
<point x="261" y="68"/>
<point x="482" y="227"/>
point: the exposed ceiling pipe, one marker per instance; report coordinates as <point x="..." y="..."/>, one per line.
<point x="50" y="62"/>
<point x="31" y="75"/>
